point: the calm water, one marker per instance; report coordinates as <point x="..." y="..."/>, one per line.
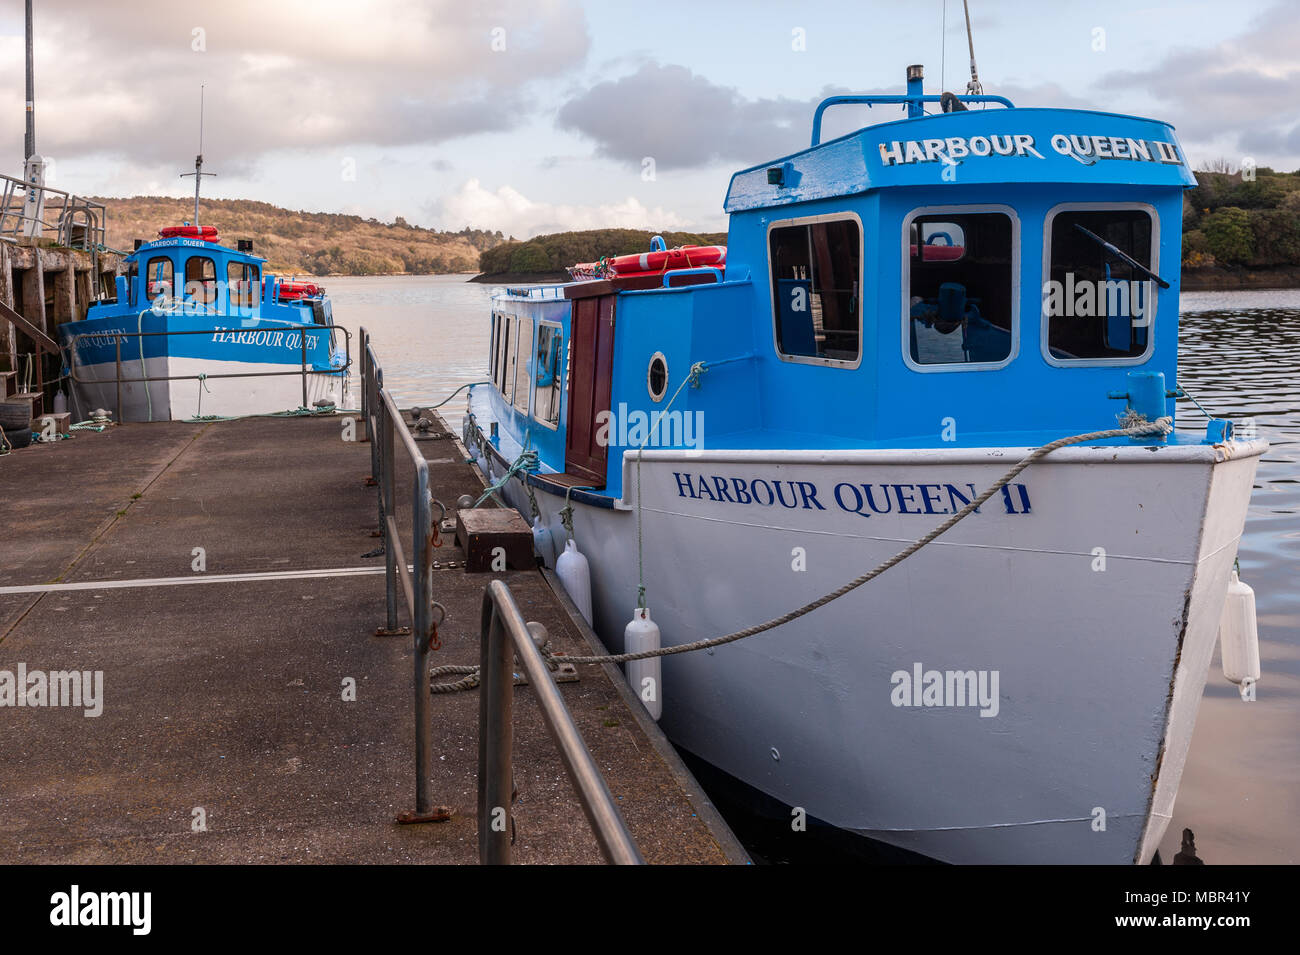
<point x="1240" y="356"/>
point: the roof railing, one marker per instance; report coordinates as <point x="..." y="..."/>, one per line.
<point x="78" y="223"/>
<point x="894" y="99"/>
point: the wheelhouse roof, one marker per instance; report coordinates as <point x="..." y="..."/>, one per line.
<point x="190" y="246"/>
<point x="977" y="146"/>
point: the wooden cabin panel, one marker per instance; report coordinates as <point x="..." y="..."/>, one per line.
<point x="590" y="384"/>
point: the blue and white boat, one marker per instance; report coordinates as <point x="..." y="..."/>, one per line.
<point x="212" y="332"/>
<point x="904" y="313"/>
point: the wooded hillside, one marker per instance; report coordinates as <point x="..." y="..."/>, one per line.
<point x="306" y="243"/>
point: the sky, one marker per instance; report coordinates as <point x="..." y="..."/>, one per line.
<point x="549" y="115"/>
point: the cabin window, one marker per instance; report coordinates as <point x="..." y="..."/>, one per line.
<point x="547" y="374"/>
<point x="242" y="280"/>
<point x="817" y="288"/>
<point x="201" y="279"/>
<point x="502" y="378"/>
<point x="493" y="331"/>
<point x="132" y="273"/>
<point x="1097" y="304"/>
<point x="961" y="297"/>
<point x="158" y="278"/>
<point x="522" y="364"/>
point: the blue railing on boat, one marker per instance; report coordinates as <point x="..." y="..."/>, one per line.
<point x="893" y="99"/>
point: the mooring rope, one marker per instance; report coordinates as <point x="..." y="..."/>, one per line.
<point x="472" y="677"/>
<point x="454" y="394"/>
<point x="1140" y="427"/>
<point x="692" y="377"/>
<point x="1134" y="426"/>
<point x="526" y="461"/>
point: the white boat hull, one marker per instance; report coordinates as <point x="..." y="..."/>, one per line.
<point x="187" y="398"/>
<point x="1093" y="590"/>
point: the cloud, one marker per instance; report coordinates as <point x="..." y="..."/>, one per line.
<point x="683" y="120"/>
<point x="515" y="214"/>
<point x="1243" y="93"/>
<point x="289" y="74"/>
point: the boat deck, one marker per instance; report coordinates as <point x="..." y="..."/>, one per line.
<point x="223" y="699"/>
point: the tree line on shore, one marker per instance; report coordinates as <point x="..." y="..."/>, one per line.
<point x="1235" y="219"/>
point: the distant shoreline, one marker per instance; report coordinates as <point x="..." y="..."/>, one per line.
<point x="1225" y="280"/>
<point x="1193" y="280"/>
<point x="519" y="278"/>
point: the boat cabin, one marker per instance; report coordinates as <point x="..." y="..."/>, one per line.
<point x="988" y="276"/>
<point x="185" y="271"/>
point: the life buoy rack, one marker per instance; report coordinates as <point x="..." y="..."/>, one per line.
<point x="208" y="233"/>
<point x="292" y="291"/>
<point x="655" y="262"/>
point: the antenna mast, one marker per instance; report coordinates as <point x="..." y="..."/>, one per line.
<point x="30" y="145"/>
<point x="198" y="172"/>
<point x="973" y="87"/>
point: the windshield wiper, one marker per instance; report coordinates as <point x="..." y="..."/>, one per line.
<point x="1120" y="254"/>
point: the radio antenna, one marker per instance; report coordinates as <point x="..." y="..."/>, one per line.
<point x="198" y="172"/>
<point x="973" y="87"/>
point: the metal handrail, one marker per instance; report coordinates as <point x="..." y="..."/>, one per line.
<point x="503" y="636"/>
<point x="383" y="421"/>
<point x="303" y="370"/>
<point x="61" y="218"/>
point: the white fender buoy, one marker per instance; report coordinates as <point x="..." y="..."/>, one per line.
<point x="1239" y="634"/>
<point x="575" y="574"/>
<point x="644" y="676"/>
<point x="543" y="543"/>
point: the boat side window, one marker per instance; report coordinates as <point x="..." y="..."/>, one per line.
<point x="960" y="285"/>
<point x="522" y="363"/>
<point x="242" y="281"/>
<point x="158" y="278"/>
<point x="493" y="334"/>
<point x="547" y="374"/>
<point x="503" y="357"/>
<point x="1096" y="304"/>
<point x="132" y="273"/>
<point x="817" y="289"/>
<point x="201" y="279"/>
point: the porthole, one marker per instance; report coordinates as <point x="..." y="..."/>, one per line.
<point x="657" y="377"/>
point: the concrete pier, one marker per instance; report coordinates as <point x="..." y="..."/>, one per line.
<point x="213" y="574"/>
<point x="47" y="285"/>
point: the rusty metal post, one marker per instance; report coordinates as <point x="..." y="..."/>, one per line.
<point x="423" y="632"/>
<point x="118" y="409"/>
<point x="495" y="737"/>
<point x="365" y="384"/>
<point x="386" y="505"/>
<point x="302" y="335"/>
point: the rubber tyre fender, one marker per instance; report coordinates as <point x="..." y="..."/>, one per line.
<point x="18" y="437"/>
<point x="15" y="414"/>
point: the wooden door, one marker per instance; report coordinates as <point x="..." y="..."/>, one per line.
<point x="590" y="380"/>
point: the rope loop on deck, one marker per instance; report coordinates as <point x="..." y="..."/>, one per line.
<point x="527" y="461"/>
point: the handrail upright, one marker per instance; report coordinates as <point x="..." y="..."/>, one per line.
<point x="503" y="636"/>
